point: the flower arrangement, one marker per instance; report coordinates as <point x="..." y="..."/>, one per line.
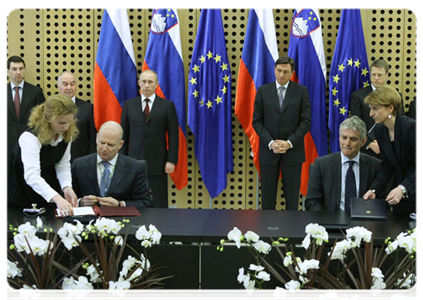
<point x="35" y="263"/>
<point x="347" y="265"/>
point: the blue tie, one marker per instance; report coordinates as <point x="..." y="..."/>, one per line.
<point x="350" y="186"/>
<point x="105" y="179"/>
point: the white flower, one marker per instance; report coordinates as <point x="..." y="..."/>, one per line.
<point x="145" y="263"/>
<point x="249" y="284"/>
<point x="304" y="266"/>
<point x="262" y="247"/>
<point x="148" y="237"/>
<point x="146" y="244"/>
<point x="106" y="226"/>
<point x="408" y="282"/>
<point x="13" y="270"/>
<point x="262" y="275"/>
<point x="340" y="249"/>
<point x="142" y="233"/>
<point x="118" y="240"/>
<point x="330" y="295"/>
<point x="27" y="229"/>
<point x="28" y="243"/>
<point x="306" y="241"/>
<point x="39" y="223"/>
<point x="378" y="283"/>
<point x="71" y="241"/>
<point x="236" y="236"/>
<point x="27" y="292"/>
<point x="392" y="247"/>
<point x="256" y="268"/>
<point x="92" y="272"/>
<point x="292" y="285"/>
<point x="287" y="260"/>
<point x="119" y="288"/>
<point x="279" y="292"/>
<point x="406" y="241"/>
<point x="318" y="232"/>
<point x="241" y="276"/>
<point x="359" y="233"/>
<point x="251" y="236"/>
<point x="81" y="284"/>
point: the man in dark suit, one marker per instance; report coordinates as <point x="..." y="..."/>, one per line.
<point x="85" y="142"/>
<point x="125" y="181"/>
<point x="27" y="97"/>
<point x="326" y="186"/>
<point x="379" y="71"/>
<point x="147" y="122"/>
<point x="282" y="117"/>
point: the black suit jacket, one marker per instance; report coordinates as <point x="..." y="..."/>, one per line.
<point x="85" y="142"/>
<point x="129" y="182"/>
<point x="398" y="161"/>
<point x="291" y="123"/>
<point x="324" y="186"/>
<point x="31" y="96"/>
<point x="147" y="140"/>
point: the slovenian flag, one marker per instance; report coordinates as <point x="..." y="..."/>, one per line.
<point x="164" y="56"/>
<point x="306" y="48"/>
<point x="257" y="67"/>
<point x="115" y="73"/>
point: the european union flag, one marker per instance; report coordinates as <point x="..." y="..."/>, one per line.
<point x="349" y="71"/>
<point x="209" y="102"/>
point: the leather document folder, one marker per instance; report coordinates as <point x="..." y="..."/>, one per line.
<point x="368" y="209"/>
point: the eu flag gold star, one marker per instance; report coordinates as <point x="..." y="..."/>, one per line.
<point x="336" y="102"/>
<point x="224" y="90"/>
<point x="209" y="55"/>
<point x="336" y="78"/>
<point x="334" y="91"/>
<point x="350" y="62"/>
<point x="201" y="102"/>
<point x="217" y="58"/>
<point x="342" y="110"/>
<point x="364" y="72"/>
<point x="202" y="59"/>
<point x="195" y="93"/>
<point x="218" y="100"/>
<point x="226" y="78"/>
<point x="224" y="66"/>
<point x="357" y="63"/>
<point x="366" y="83"/>
<point x="196" y="69"/>
<point x="209" y="104"/>
<point x="193" y="80"/>
<point x="341" y="67"/>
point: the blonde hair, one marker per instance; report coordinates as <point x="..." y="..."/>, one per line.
<point x="42" y="115"/>
<point x="385" y="96"/>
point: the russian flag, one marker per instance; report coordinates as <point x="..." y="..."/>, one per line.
<point x="306" y="48"/>
<point x="115" y="72"/>
<point x="164" y="56"/>
<point x="257" y="67"/>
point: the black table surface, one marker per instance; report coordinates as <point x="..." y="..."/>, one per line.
<point x="211" y="225"/>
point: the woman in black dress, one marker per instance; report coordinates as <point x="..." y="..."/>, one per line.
<point x="40" y="164"/>
<point x="396" y="136"/>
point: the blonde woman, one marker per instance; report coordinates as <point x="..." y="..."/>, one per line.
<point x="40" y="164"/>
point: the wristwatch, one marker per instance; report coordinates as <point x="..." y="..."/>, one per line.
<point x="404" y="190"/>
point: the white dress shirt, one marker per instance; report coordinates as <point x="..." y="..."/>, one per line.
<point x="21" y="85"/>
<point x="30" y="155"/>
<point x="356" y="169"/>
<point x="150" y="103"/>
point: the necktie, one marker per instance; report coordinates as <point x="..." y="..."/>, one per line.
<point x="281" y="89"/>
<point x="17" y="101"/>
<point x="105" y="179"/>
<point x="146" y="109"/>
<point x="350" y="186"/>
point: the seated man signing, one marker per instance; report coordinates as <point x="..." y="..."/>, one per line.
<point x="329" y="189"/>
<point x="110" y="179"/>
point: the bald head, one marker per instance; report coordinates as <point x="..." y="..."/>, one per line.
<point x="66" y="84"/>
<point x="109" y="140"/>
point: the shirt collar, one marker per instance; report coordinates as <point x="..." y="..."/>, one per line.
<point x="345" y="159"/>
<point x="111" y="162"/>
<point x="19" y="85"/>
<point x="278" y="85"/>
<point x="151" y="98"/>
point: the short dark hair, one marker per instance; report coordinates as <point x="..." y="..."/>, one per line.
<point x="285" y="60"/>
<point x="14" y="59"/>
<point x="380" y="63"/>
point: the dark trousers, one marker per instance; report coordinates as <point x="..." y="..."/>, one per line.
<point x="158" y="185"/>
<point x="291" y="181"/>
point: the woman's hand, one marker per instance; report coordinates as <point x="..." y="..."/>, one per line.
<point x="394" y="197"/>
<point x="63" y="206"/>
<point x="70" y="196"/>
<point x="369" y="195"/>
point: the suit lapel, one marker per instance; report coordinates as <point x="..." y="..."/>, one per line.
<point x="158" y="103"/>
<point x="337" y="187"/>
<point x="10" y="104"/>
<point x="26" y="94"/>
<point x="288" y="96"/>
<point x="118" y="174"/>
<point x="138" y="110"/>
<point x="364" y="171"/>
<point x="91" y="171"/>
<point x="387" y="145"/>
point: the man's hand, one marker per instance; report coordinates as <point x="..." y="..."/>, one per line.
<point x="108" y="201"/>
<point x="89" y="200"/>
<point x="169" y="168"/>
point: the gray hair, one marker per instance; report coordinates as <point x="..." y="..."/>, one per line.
<point x="356" y="124"/>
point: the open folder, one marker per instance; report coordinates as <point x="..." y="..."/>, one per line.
<point x="368" y="209"/>
<point x="104" y="211"/>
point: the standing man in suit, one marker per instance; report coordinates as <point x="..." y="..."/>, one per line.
<point x="282" y="117"/>
<point x="379" y="72"/>
<point x="85" y="142"/>
<point x="108" y="178"/>
<point x="21" y="98"/>
<point x="147" y="122"/>
<point x="326" y="186"/>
